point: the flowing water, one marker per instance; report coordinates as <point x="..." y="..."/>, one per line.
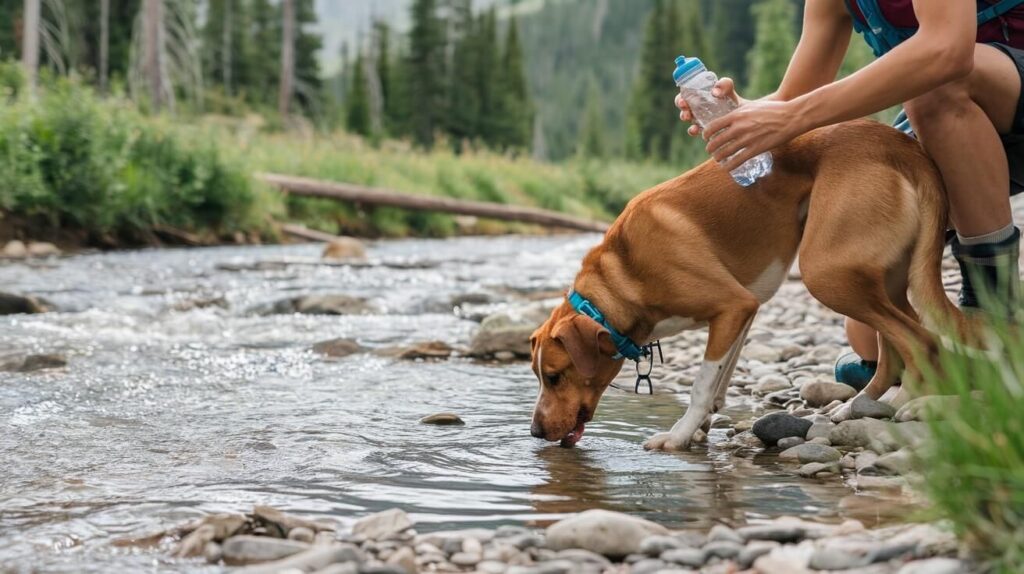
<point x="180" y="399"/>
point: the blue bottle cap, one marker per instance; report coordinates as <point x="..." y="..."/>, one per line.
<point x="687" y="67"/>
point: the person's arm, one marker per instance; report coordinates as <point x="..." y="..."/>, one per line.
<point x="941" y="51"/>
<point x="815" y="62"/>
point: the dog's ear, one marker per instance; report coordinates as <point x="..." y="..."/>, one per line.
<point x="585" y="341"/>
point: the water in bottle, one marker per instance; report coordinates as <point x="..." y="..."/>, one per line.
<point x="695" y="82"/>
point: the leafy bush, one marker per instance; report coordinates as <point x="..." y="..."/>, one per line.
<point x="70" y="161"/>
<point x="974" y="466"/>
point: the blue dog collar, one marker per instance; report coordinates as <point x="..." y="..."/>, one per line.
<point x="625" y="346"/>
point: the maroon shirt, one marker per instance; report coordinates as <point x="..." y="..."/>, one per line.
<point x="1007" y="29"/>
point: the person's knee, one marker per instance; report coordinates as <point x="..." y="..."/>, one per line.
<point x="947" y="103"/>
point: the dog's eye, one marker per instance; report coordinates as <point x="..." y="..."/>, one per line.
<point x="552" y="380"/>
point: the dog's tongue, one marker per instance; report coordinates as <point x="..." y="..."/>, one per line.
<point x="573" y="437"/>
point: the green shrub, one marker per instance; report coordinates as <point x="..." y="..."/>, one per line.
<point x="74" y="162"/>
<point x="974" y="466"/>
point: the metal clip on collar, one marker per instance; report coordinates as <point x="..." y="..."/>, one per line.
<point x="647" y="352"/>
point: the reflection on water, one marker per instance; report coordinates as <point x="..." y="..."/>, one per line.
<point x="180" y="400"/>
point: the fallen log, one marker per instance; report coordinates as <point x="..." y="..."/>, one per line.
<point x="386" y="197"/>
<point x="306" y="233"/>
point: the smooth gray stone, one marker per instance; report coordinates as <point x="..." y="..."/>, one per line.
<point x="655" y="545"/>
<point x="724" y="549"/>
<point x="248" y="549"/>
<point x="685" y="556"/>
<point x="777" y="533"/>
<point x="864" y="407"/>
<point x="836" y="559"/>
<point x="779" y="425"/>
<point x="811" y="452"/>
<point x="648" y="566"/>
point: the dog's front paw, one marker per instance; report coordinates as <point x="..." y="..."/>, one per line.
<point x="667" y="441"/>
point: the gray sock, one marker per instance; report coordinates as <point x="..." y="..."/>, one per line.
<point x="994" y="237"/>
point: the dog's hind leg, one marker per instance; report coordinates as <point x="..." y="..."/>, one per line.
<point x="726" y="334"/>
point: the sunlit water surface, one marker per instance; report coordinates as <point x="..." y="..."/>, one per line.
<point x="167" y="412"/>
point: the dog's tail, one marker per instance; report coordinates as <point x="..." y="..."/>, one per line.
<point x="937" y="311"/>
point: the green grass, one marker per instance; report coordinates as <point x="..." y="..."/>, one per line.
<point x="974" y="467"/>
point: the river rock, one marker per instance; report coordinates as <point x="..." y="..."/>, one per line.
<point x="509" y="330"/>
<point x="821" y="393"/>
<point x="338" y="348"/>
<point x="314" y="558"/>
<point x="331" y="305"/>
<point x="14" y="250"/>
<point x="865" y="407"/>
<point x="212" y="552"/>
<point x="11" y="304"/>
<point x="32" y="363"/>
<point x="831" y="558"/>
<point x="723" y="549"/>
<point x="345" y="249"/>
<point x="770" y="384"/>
<point x="789" y="442"/>
<point x="284" y="523"/>
<point x="934" y="566"/>
<point x="655" y="545"/>
<point x="442" y="419"/>
<point x="778" y="425"/>
<point x="898" y="462"/>
<point x="752" y="552"/>
<point x="815" y="468"/>
<point x="42" y="249"/>
<point x="430" y="350"/>
<point x="819" y="430"/>
<point x="775" y="532"/>
<point x="382" y="524"/>
<point x="611" y="534"/>
<point x="580" y="556"/>
<point x="247" y="549"/>
<point x="648" y="566"/>
<point x="301" y="534"/>
<point x="722" y="533"/>
<point x="810" y="452"/>
<point x="935" y="407"/>
<point x="856" y="432"/>
<point x="692" y="557"/>
<point x="761" y="352"/>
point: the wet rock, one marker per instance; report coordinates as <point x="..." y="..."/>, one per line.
<point x="761" y="352"/>
<point x="829" y="558"/>
<point x="821" y="393"/>
<point x="301" y="534"/>
<point x="315" y="558"/>
<point x="330" y="305"/>
<point x="692" y="557"/>
<point x="611" y="534"/>
<point x="211" y="528"/>
<point x="934" y="566"/>
<point x="722" y="533"/>
<point x="775" y="532"/>
<point x="815" y="468"/>
<point x="810" y="452"/>
<point x="32" y="363"/>
<point x="430" y="350"/>
<point x="724" y="549"/>
<point x="442" y="419"/>
<point x="345" y="249"/>
<point x="11" y="304"/>
<point x="856" y="432"/>
<point x="212" y="552"/>
<point x="338" y="347"/>
<point x="509" y="331"/>
<point x="789" y="442"/>
<point x="898" y="462"/>
<point x="284" y="523"/>
<point x="848" y="462"/>
<point x="247" y="549"/>
<point x="382" y="524"/>
<point x="457" y="538"/>
<point x="865" y="407"/>
<point x="770" y="384"/>
<point x="778" y="425"/>
<point x="743" y="440"/>
<point x="655" y="545"/>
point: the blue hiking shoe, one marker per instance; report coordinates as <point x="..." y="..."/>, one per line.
<point x="854" y="371"/>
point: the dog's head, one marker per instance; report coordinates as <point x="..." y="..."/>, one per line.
<point x="572" y="358"/>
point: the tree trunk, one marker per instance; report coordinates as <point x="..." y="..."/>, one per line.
<point x="225" y="51"/>
<point x="284" y="99"/>
<point x="153" y="58"/>
<point x="104" y="44"/>
<point x="30" y="43"/>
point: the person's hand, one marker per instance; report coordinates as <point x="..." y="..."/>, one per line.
<point x="750" y="130"/>
<point x="724" y="88"/>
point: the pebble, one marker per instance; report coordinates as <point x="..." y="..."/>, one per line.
<point x="865" y="407"/>
<point x="491" y="567"/>
<point x="648" y="566"/>
<point x="248" y="549"/>
<point x="898" y="462"/>
<point x="722" y="533"/>
<point x="770" y="384"/>
<point x="821" y="393"/>
<point x="465" y="559"/>
<point x="790" y="442"/>
<point x="856" y="432"/>
<point x="761" y="352"/>
<point x="828" y="558"/>
<point x="778" y="425"/>
<point x="212" y="552"/>
<point x="655" y="545"/>
<point x="819" y="430"/>
<point x="338" y="348"/>
<point x="301" y="534"/>
<point x="934" y="566"/>
<point x="442" y="419"/>
<point x="403" y="558"/>
<point x="752" y="552"/>
<point x="382" y="524"/>
<point x="816" y="468"/>
<point x="773" y="532"/>
<point x="685" y="556"/>
<point x="723" y="549"/>
<point x="611" y="534"/>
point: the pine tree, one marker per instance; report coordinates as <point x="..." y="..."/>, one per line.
<point x="515" y="110"/>
<point x="382" y="53"/>
<point x="593" y="141"/>
<point x="733" y="34"/>
<point x="487" y="81"/>
<point x="462" y="102"/>
<point x="307" y="64"/>
<point x="357" y="102"/>
<point x="775" y="41"/>
<point x="425" y="72"/>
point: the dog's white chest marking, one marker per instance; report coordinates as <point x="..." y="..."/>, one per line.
<point x="673" y="326"/>
<point x="769" y="281"/>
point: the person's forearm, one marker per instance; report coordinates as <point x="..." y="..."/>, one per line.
<point x="911" y="69"/>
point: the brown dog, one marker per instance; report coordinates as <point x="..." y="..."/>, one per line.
<point x="861" y="201"/>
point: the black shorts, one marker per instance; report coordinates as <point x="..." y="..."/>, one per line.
<point x="1013" y="142"/>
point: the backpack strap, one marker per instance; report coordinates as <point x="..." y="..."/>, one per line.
<point x="996" y="10"/>
<point x="881" y="35"/>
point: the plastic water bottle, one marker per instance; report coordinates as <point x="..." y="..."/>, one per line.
<point x="695" y="82"/>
